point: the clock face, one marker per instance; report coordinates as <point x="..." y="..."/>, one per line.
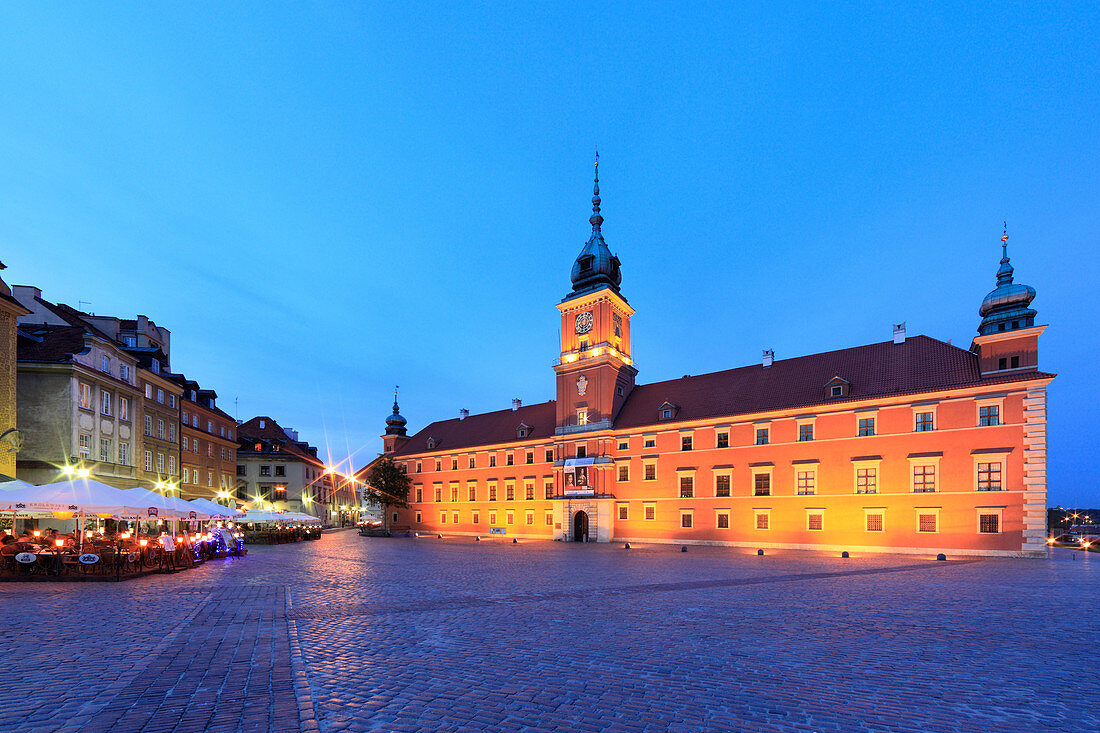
<point x="584" y="322"/>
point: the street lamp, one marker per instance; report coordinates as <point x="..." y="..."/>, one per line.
<point x="83" y="473"/>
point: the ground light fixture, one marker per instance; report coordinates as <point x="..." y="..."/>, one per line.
<point x="83" y="473"/>
<point x="68" y="470"/>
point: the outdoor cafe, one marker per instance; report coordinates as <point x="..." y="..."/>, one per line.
<point x="82" y="529"/>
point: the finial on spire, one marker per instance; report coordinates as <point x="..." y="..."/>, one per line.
<point x="1004" y="244"/>
<point x="395" y="387"/>
<point x="596" y="219"/>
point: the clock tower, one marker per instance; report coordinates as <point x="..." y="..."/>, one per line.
<point x="595" y="372"/>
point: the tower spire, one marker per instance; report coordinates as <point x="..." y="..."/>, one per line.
<point x="596" y="219"/>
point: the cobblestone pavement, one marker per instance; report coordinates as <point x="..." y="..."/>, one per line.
<point x="357" y="634"/>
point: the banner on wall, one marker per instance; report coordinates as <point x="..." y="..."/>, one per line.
<point x="578" y="476"/>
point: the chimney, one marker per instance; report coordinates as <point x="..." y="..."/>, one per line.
<point x="899" y="333"/>
<point x="769" y="357"/>
<point x="516" y="404"/>
<point x="463" y="414"/>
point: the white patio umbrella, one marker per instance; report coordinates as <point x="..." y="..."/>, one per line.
<point x="213" y="509"/>
<point x="163" y="505"/>
<point x="78" y="495"/>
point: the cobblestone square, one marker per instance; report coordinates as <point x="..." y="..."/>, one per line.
<point x="357" y="634"/>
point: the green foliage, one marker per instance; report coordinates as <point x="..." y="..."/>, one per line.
<point x="387" y="484"/>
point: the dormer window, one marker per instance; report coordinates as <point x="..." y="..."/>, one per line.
<point x="431" y="446"/>
<point x="667" y="411"/>
<point x="258" y="447"/>
<point x="154" y="366"/>
<point x="586" y="263"/>
<point x="837" y="387"/>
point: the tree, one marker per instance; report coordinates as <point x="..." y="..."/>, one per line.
<point x="388" y="485"/>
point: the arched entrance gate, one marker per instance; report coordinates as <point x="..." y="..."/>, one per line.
<point x="580" y="526"/>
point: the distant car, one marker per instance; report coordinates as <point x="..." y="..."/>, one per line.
<point x="1068" y="539"/>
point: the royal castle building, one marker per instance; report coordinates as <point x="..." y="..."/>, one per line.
<point x="910" y="445"/>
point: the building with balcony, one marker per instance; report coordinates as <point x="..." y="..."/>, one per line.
<point x="909" y="445"/>
<point x="79" y="397"/>
<point x="276" y="469"/>
<point x="208" y="444"/>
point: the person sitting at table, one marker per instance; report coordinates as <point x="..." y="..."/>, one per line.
<point x="8" y="539"/>
<point x="28" y="537"/>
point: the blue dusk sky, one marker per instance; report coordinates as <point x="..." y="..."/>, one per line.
<point x="324" y="200"/>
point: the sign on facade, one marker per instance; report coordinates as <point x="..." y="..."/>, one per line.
<point x="498" y="530"/>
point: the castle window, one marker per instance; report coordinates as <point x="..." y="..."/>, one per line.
<point x="582" y="417"/>
<point x="472" y="462"/>
<point x="419" y="466"/>
<point x="762" y="436"/>
<point x="624" y="511"/>
<point x="619" y="391"/>
<point x="454" y="464"/>
<point x="1015" y="362"/>
<point x="529" y="490"/>
<point x="874" y="521"/>
<point x="624" y="444"/>
<point x="989" y="521"/>
<point x="836" y="391"/>
<point x="867" y="480"/>
<point x="815" y="521"/>
<point x="509" y="459"/>
<point x="650" y="473"/>
<point x="866" y="426"/>
<point x="722" y="440"/>
<point x="438" y="463"/>
<point x="666" y="414"/>
<point x="924" y="479"/>
<point x="685" y="442"/>
<point x="549" y="455"/>
<point x="685" y="519"/>
<point x="1002" y="363"/>
<point x="927" y="522"/>
<point x="989" y="415"/>
<point x="650" y="442"/>
<point x="529" y="458"/>
<point x="548" y="488"/>
<point x="492" y="460"/>
<point x="722" y="485"/>
<point x="806" y="432"/>
<point x="989" y="476"/>
<point x="582" y="451"/>
<point x="439" y="493"/>
<point x="471" y="491"/>
<point x="723" y="519"/>
<point x="624" y="472"/>
<point x="807" y="481"/>
<point x="924" y="422"/>
<point x="419" y="494"/>
<point x="687" y="487"/>
<point x="431" y="445"/>
<point x="586" y="263"/>
<point x="650" y="511"/>
<point x="762" y="484"/>
<point x="763" y="518"/>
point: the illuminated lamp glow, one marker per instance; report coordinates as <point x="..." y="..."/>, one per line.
<point x="68" y="470"/>
<point x="83" y="473"/>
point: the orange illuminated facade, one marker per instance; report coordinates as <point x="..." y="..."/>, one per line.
<point x="910" y="445"/>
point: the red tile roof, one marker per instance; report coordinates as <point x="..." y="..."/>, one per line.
<point x="920" y="364"/>
<point x="485" y="429"/>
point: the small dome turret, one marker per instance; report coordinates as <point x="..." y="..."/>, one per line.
<point x="1005" y="308"/>
<point x="395" y="424"/>
<point x="595" y="266"/>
